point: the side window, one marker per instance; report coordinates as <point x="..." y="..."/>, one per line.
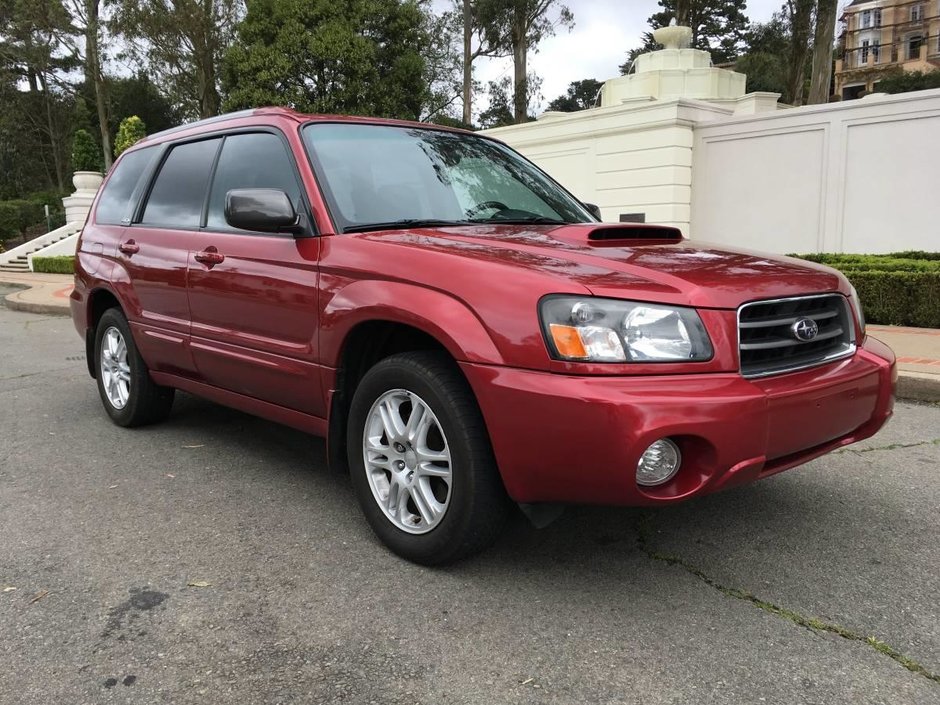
<point x="251" y="160"/>
<point x="179" y="192"/>
<point x="114" y="204"/>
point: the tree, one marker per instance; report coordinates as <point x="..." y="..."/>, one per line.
<point x="477" y="42"/>
<point x="443" y="63"/>
<point x="182" y="41"/>
<point x="800" y="14"/>
<point x="131" y="131"/>
<point x="718" y="27"/>
<point x="87" y="15"/>
<point x="822" y="50"/>
<point x="764" y="61"/>
<point x="361" y="57"/>
<point x="499" y="111"/>
<point x="580" y="96"/>
<point x="520" y="25"/>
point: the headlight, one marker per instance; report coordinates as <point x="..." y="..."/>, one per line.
<point x="857" y="305"/>
<point x="591" y="329"/>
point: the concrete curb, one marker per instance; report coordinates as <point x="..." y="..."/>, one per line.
<point x="917" y="386"/>
<point x="12" y="301"/>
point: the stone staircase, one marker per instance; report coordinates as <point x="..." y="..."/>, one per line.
<point x="17" y="259"/>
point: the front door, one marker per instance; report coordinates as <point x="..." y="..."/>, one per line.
<point x="253" y="296"/>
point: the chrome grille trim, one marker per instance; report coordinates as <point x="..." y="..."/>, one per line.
<point x="766" y="347"/>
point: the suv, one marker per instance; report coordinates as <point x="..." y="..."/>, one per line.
<point x="464" y="331"/>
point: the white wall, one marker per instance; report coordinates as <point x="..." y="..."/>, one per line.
<point x="859" y="176"/>
<point x="630" y="158"/>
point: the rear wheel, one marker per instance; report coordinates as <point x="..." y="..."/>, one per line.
<point x="128" y="394"/>
<point x="421" y="462"/>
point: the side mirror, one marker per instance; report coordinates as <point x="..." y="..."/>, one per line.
<point x="594" y="210"/>
<point x="264" y="210"/>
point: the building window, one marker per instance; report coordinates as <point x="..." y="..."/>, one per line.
<point x="865" y="44"/>
<point x="866" y="18"/>
<point x="876" y="52"/>
<point x="877" y="15"/>
<point x="913" y="47"/>
<point x="917" y="13"/>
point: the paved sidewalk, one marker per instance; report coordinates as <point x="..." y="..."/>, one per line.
<point x="918" y="349"/>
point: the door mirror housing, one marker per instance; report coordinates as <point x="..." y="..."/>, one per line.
<point x="594" y="210"/>
<point x="265" y="210"/>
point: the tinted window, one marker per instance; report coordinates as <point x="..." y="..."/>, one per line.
<point x="255" y="160"/>
<point x="179" y="192"/>
<point x="114" y="203"/>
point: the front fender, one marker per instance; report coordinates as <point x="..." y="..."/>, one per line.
<point x="442" y="316"/>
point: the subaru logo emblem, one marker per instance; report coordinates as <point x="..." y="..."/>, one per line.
<point x="805" y="329"/>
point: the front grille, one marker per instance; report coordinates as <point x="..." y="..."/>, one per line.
<point x="769" y="345"/>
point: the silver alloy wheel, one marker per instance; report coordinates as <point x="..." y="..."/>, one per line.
<point x="115" y="370"/>
<point x="407" y="461"/>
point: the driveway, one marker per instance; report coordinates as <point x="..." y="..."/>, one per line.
<point x="215" y="559"/>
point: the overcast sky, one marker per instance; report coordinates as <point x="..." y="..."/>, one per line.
<point x="604" y="31"/>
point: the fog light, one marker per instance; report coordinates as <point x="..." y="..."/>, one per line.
<point x="658" y="463"/>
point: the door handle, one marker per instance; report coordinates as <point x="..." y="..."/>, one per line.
<point x="129" y="248"/>
<point x="209" y="257"/>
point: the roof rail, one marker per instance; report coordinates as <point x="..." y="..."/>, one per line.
<point x="215" y="119"/>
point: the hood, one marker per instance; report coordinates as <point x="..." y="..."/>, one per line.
<point x="631" y="261"/>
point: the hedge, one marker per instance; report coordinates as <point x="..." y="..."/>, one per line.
<point x="61" y="264"/>
<point x="18" y="215"/>
<point x="901" y="288"/>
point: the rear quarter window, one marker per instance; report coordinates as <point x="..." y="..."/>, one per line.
<point x="114" y="206"/>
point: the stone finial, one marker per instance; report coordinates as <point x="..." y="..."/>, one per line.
<point x="673" y="36"/>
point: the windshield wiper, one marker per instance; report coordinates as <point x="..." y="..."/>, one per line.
<point x="405" y="223"/>
<point x="520" y="220"/>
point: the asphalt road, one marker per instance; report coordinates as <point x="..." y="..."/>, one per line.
<point x="214" y="559"/>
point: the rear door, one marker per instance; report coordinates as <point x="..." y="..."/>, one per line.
<point x="252" y="295"/>
<point x="154" y="248"/>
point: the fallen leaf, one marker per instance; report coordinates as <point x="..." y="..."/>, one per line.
<point x="9" y="589"/>
<point x="199" y="583"/>
<point x="200" y="445"/>
<point x="39" y="596"/>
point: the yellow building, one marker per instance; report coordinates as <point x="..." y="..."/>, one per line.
<point x="880" y="37"/>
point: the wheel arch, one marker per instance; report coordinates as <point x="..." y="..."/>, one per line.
<point x="100" y="300"/>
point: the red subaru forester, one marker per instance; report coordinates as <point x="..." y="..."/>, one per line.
<point x="463" y="330"/>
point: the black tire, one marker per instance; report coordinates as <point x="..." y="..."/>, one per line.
<point x="147" y="402"/>
<point x="478" y="506"/>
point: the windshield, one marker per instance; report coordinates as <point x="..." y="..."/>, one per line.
<point x="376" y="176"/>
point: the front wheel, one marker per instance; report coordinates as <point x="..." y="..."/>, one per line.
<point x="128" y="394"/>
<point x="422" y="467"/>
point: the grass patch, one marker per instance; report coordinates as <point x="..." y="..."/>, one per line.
<point x="62" y="264"/>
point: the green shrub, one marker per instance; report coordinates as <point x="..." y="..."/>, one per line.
<point x="901" y="288"/>
<point x="61" y="264"/>
<point x="86" y="155"/>
<point x="16" y="216"/>
<point x="130" y="132"/>
<point x="9" y="220"/>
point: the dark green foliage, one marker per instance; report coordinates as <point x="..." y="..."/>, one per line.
<point x="361" y="57"/>
<point x="580" y="96"/>
<point x="18" y="215"/>
<point x="902" y="288"/>
<point x="86" y="155"/>
<point x="909" y="81"/>
<point x="61" y="264"/>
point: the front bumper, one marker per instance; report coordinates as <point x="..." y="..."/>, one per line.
<point x="563" y="438"/>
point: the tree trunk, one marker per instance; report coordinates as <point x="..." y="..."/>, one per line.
<point x="822" y="51"/>
<point x="801" y="15"/>
<point x="93" y="72"/>
<point x="467" y="63"/>
<point x="682" y="13"/>
<point x="520" y="102"/>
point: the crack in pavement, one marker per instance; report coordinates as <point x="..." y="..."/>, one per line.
<point x="891" y="446"/>
<point x="811" y="623"/>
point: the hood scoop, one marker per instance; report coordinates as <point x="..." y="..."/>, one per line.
<point x="617" y="234"/>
